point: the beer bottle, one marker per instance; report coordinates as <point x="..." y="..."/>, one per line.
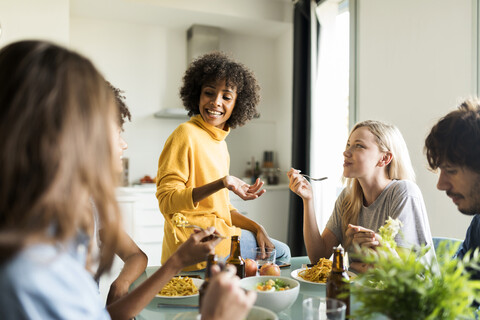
<point x="337" y="281"/>
<point x="211" y="261"/>
<point x="235" y="257"/>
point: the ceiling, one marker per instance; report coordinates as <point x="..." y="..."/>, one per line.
<point x="268" y="18"/>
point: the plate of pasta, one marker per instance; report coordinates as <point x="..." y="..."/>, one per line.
<point x="316" y="274"/>
<point x="180" y="287"/>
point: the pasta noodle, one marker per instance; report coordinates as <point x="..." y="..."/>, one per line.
<point x="179" y="286"/>
<point x="317" y="273"/>
<point x="178" y="220"/>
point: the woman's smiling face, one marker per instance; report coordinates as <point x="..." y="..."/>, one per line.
<point x="217" y="102"/>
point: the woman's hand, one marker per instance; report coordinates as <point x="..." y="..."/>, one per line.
<point x="225" y="299"/>
<point x="197" y="247"/>
<point x="299" y="184"/>
<point x="263" y="241"/>
<point x="242" y="189"/>
<point x="363" y="237"/>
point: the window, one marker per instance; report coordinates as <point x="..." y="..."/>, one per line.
<point x="331" y="104"/>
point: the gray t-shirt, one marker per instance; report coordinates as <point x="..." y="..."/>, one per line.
<point x="401" y="199"/>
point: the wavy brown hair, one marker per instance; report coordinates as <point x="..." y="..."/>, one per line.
<point x="455" y="139"/>
<point x="215" y="66"/>
<point x="56" y="148"/>
<point x="388" y="138"/>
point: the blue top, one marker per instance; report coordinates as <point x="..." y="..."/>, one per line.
<point x="46" y="281"/>
<point x="471" y="242"/>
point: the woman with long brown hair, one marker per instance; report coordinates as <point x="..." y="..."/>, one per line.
<point x="58" y="134"/>
<point x="380" y="183"/>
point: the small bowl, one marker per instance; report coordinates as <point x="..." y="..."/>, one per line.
<point x="276" y="300"/>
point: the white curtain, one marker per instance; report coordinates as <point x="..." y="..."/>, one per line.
<point x="330" y="107"/>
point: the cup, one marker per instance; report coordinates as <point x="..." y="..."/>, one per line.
<point x="323" y="309"/>
<point x="268" y="256"/>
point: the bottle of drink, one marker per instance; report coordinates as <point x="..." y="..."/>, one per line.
<point x="338" y="286"/>
<point x="211" y="260"/>
<point x="235" y="257"/>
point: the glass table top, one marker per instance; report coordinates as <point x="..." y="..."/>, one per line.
<point x="161" y="309"/>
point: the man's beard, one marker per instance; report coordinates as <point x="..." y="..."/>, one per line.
<point x="475" y="196"/>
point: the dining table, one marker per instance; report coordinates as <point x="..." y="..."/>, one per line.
<point x="187" y="308"/>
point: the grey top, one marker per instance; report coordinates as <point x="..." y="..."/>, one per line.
<point x="401" y="199"/>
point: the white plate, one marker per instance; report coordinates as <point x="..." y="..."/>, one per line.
<point x="197" y="282"/>
<point x="257" y="313"/>
<point x="294" y="275"/>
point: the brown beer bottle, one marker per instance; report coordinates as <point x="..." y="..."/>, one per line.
<point x="211" y="261"/>
<point x="337" y="281"/>
<point x="235" y="257"/>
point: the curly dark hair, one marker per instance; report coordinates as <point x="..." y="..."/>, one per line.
<point x="123" y="112"/>
<point x="215" y="66"/>
<point x="455" y="139"/>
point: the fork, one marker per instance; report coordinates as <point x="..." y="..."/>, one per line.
<point x="198" y="227"/>
<point x="313" y="179"/>
<point x="306" y="176"/>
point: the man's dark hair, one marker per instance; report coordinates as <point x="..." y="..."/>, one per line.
<point x="123" y="112"/>
<point x="215" y="66"/>
<point x="455" y="139"/>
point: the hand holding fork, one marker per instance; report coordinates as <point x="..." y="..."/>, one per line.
<point x="306" y="176"/>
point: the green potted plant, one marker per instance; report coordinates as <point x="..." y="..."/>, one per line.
<point x="403" y="286"/>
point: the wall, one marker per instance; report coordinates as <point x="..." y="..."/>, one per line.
<point x="134" y="57"/>
<point x="29" y="19"/>
<point x="270" y="60"/>
<point x="148" y="61"/>
<point x="415" y="60"/>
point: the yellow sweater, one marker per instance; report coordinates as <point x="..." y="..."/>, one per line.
<point x="195" y="154"/>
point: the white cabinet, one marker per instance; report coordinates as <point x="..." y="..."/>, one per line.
<point x="270" y="210"/>
<point x="142" y="219"/>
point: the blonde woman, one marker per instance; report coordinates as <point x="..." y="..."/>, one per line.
<point x="379" y="184"/>
<point x="58" y="152"/>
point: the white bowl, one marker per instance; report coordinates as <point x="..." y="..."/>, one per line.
<point x="276" y="300"/>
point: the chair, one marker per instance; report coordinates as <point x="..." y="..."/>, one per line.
<point x="450" y="242"/>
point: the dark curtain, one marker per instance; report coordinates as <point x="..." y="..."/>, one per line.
<point x="301" y="118"/>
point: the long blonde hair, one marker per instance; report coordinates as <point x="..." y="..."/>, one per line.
<point x="56" y="148"/>
<point x="388" y="138"/>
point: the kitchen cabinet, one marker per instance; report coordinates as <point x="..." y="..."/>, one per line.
<point x="270" y="210"/>
<point x="143" y="222"/>
<point x="142" y="219"/>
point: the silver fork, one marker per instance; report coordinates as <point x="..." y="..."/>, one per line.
<point x="313" y="179"/>
<point x="306" y="176"/>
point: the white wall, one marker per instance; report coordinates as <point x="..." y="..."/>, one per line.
<point x="148" y="62"/>
<point x="133" y="57"/>
<point x="272" y="131"/>
<point x="31" y="19"/>
<point x="415" y="60"/>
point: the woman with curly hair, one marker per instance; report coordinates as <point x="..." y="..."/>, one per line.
<point x="193" y="170"/>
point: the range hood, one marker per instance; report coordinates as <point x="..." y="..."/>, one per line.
<point x="201" y="39"/>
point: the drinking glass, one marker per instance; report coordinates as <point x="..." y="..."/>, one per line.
<point x="268" y="256"/>
<point x="323" y="309"/>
